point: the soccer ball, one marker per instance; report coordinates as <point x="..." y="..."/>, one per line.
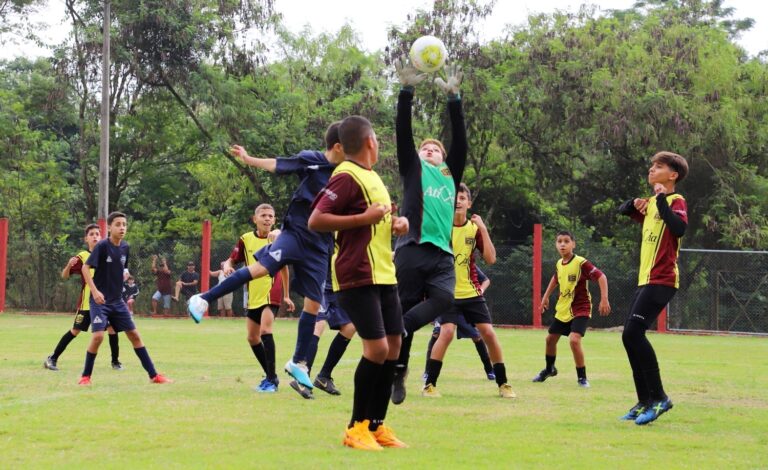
<point x="428" y="54"/>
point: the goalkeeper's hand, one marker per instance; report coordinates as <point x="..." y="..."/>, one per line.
<point x="454" y="77"/>
<point x="407" y="74"/>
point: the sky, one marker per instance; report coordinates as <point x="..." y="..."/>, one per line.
<point x="371" y="19"/>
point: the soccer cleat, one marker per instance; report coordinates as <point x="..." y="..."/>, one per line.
<point x="430" y="391"/>
<point x="302" y="390"/>
<point x="299" y="372"/>
<point x="196" y="307"/>
<point x="117" y="365"/>
<point x="491" y="375"/>
<point x="50" y="363"/>
<point x="386" y="437"/>
<point x="85" y="380"/>
<point x="544" y="374"/>
<point x="398" y="385"/>
<point x="360" y="437"/>
<point x="653" y="411"/>
<point x="161" y="379"/>
<point x="266" y="386"/>
<point x="505" y="391"/>
<point x="326" y="384"/>
<point x="584" y="383"/>
<point x="634" y="412"/>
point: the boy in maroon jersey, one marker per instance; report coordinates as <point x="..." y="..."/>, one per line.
<point x="664" y="217"/>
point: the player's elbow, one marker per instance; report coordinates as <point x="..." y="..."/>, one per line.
<point x="489" y="258"/>
<point x="316" y="223"/>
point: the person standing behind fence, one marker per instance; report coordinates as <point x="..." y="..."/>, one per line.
<point x="574" y="305"/>
<point x="164" y="290"/>
<point x="109" y="261"/>
<point x="83" y="315"/>
<point x="224" y="304"/>
<point x="130" y="292"/>
<point x="664" y="217"/>
<point x="187" y="283"/>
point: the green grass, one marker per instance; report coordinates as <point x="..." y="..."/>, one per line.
<point x="210" y="418"/>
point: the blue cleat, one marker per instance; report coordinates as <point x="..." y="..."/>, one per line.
<point x="584" y="383"/>
<point x="634" y="412"/>
<point x="266" y="386"/>
<point x="491" y="375"/>
<point x="197" y="307"/>
<point x="655" y="410"/>
<point x="542" y="376"/>
<point x="299" y="372"/>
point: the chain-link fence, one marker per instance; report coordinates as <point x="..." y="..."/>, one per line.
<point x="721" y="291"/>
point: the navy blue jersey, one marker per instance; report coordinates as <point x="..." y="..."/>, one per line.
<point x="314" y="171"/>
<point x="109" y="261"/>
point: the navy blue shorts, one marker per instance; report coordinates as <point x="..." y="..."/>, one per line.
<point x="115" y="314"/>
<point x="310" y="263"/>
<point x="464" y="329"/>
<point x="331" y="312"/>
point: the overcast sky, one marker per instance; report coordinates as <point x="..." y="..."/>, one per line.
<point x="371" y="18"/>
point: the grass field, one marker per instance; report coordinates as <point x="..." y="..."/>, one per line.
<point x="211" y="418"/>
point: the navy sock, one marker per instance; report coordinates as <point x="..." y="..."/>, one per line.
<point x="269" y="347"/>
<point x="63" y="343"/>
<point x="146" y="362"/>
<point x="335" y="351"/>
<point x="261" y="355"/>
<point x="230" y="284"/>
<point x="306" y="332"/>
<point x="501" y="373"/>
<point x="482" y="351"/>
<point x="90" y="358"/>
<point x="114" y="347"/>
<point x="581" y="372"/>
<point x="312" y="351"/>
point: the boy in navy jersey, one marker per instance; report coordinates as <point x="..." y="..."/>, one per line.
<point x="307" y="251"/>
<point x="664" y="217"/>
<point x="574" y="305"/>
<point x="109" y="259"/>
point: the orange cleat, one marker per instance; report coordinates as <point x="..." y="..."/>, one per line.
<point x="85" y="380"/>
<point x="161" y="379"/>
<point x="359" y="437"/>
<point x="386" y="437"/>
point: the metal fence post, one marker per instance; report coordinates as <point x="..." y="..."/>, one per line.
<point x="205" y="258"/>
<point x="3" y="259"/>
<point x="537" y="236"/>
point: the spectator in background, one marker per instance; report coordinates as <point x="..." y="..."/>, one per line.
<point x="187" y="283"/>
<point x="225" y="302"/>
<point x="130" y="291"/>
<point x="163" y="281"/>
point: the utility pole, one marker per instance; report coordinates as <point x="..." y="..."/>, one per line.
<point x="104" y="147"/>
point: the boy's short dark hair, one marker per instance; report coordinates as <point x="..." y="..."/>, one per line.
<point x="463" y="188"/>
<point x="332" y="135"/>
<point x="90" y="227"/>
<point x="566" y="233"/>
<point x="262" y="207"/>
<point x="190" y="263"/>
<point x="115" y="215"/>
<point x="353" y="131"/>
<point x="676" y="162"/>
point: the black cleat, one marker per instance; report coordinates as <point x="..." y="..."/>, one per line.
<point x="544" y="374"/>
<point x="50" y="363"/>
<point x="398" y="386"/>
<point x="117" y="365"/>
<point x="302" y="390"/>
<point x="326" y="384"/>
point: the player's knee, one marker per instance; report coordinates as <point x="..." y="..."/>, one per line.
<point x="633" y="332"/>
<point x="575" y="340"/>
<point x="447" y="330"/>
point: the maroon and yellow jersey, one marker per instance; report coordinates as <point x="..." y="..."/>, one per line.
<point x="660" y="248"/>
<point x="573" y="279"/>
<point x="258" y="289"/>
<point x="84" y="302"/>
<point x="465" y="239"/>
<point x="364" y="254"/>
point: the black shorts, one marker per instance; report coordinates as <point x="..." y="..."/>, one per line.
<point x="82" y="320"/>
<point x="648" y="303"/>
<point x="374" y="310"/>
<point x="256" y="313"/>
<point x="474" y="310"/>
<point x="577" y="325"/>
<point x="421" y="266"/>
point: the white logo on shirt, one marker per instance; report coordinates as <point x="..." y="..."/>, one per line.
<point x="109" y="259"/>
<point x="277" y="254"/>
<point x="330" y="194"/>
<point x="313" y="167"/>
